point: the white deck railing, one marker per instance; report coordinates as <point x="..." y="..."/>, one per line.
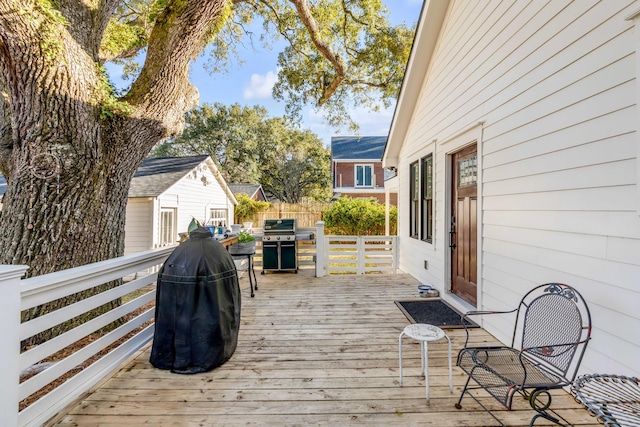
<point x="327" y="254"/>
<point x="19" y="295"/>
<point x="341" y="254"/>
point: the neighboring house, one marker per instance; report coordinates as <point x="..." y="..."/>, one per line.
<point x="516" y="143"/>
<point x="254" y="191"/>
<point x="167" y="193"/>
<point x="356" y="168"/>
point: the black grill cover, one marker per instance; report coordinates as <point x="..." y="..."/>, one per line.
<point x="197" y="315"/>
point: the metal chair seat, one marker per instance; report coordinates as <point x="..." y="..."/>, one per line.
<point x="493" y="368"/>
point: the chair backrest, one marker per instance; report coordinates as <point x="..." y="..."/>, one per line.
<point x="555" y="328"/>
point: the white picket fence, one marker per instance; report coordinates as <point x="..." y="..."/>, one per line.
<point x="327" y="254"/>
<point x="360" y="255"/>
<point x="342" y="254"/>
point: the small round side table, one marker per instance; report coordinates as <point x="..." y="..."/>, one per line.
<point x="425" y="333"/>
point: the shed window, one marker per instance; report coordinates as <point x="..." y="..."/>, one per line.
<point x="218" y="217"/>
<point x="168" y="231"/>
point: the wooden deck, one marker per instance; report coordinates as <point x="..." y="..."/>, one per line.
<point x="312" y="351"/>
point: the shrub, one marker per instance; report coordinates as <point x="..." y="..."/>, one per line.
<point x="359" y="217"/>
<point x="247" y="208"/>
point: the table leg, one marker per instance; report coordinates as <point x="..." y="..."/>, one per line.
<point x="255" y="279"/>
<point x="249" y="274"/>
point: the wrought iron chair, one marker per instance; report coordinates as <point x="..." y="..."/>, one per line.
<point x="551" y="333"/>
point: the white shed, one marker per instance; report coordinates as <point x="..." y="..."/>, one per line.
<point x="517" y="148"/>
<point x="166" y="193"/>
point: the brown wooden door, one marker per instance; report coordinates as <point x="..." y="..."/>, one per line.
<point x="464" y="225"/>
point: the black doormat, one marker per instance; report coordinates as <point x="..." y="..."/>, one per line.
<point x="434" y="312"/>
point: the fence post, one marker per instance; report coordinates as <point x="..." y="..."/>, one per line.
<point x="320" y="251"/>
<point x="10" y="343"/>
<point x="360" y="254"/>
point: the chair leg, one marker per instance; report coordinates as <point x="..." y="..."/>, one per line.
<point x="464" y="390"/>
<point x="541" y="407"/>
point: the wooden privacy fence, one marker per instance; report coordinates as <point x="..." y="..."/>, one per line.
<point x="306" y="214"/>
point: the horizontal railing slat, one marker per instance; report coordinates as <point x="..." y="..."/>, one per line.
<point x="42" y="323"/>
<point x="40" y="411"/>
<point x="35" y="383"/>
<point x="49" y="287"/>
<point x="53" y="345"/>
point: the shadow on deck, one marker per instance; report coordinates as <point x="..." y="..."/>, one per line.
<point x="311" y="351"/>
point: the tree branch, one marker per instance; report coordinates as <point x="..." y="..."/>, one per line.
<point x="324" y="48"/>
<point x="162" y="92"/>
<point x="87" y="24"/>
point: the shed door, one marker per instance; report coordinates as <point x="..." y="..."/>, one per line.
<point x="464" y="226"/>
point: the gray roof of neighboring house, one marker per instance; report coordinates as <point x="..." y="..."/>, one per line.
<point x="3" y="185"/>
<point x="357" y="147"/>
<point x="156" y="174"/>
<point x="248" y="189"/>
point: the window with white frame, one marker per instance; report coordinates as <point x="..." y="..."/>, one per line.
<point x="168" y="231"/>
<point x="218" y="217"/>
<point x="364" y="176"/>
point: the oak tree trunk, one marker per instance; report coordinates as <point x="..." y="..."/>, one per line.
<point x="67" y="148"/>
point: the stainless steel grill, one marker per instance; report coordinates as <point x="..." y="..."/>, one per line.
<point x="279" y="245"/>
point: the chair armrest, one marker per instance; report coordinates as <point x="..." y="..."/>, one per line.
<point x="553" y="350"/>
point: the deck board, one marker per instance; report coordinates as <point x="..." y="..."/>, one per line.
<point x="311" y="352"/>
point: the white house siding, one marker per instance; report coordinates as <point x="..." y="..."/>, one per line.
<point x="554" y="84"/>
<point x="137" y="229"/>
<point x="194" y="198"/>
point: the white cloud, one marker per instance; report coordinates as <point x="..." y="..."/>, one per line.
<point x="260" y="86"/>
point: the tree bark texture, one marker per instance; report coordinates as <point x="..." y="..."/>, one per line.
<point x="67" y="160"/>
<point x="67" y="153"/>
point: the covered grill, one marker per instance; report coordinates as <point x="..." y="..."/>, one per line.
<point x="279" y="245"/>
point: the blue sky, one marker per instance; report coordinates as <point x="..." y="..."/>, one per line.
<point x="250" y="83"/>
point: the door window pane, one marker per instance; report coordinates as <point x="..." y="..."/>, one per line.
<point x="468" y="171"/>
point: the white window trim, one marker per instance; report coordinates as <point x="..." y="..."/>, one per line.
<point x="217" y="220"/>
<point x="355" y="175"/>
<point x="174" y="226"/>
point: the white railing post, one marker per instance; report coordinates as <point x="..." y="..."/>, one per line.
<point x="10" y="343"/>
<point x="320" y="251"/>
<point x="395" y="252"/>
<point x="360" y="254"/>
